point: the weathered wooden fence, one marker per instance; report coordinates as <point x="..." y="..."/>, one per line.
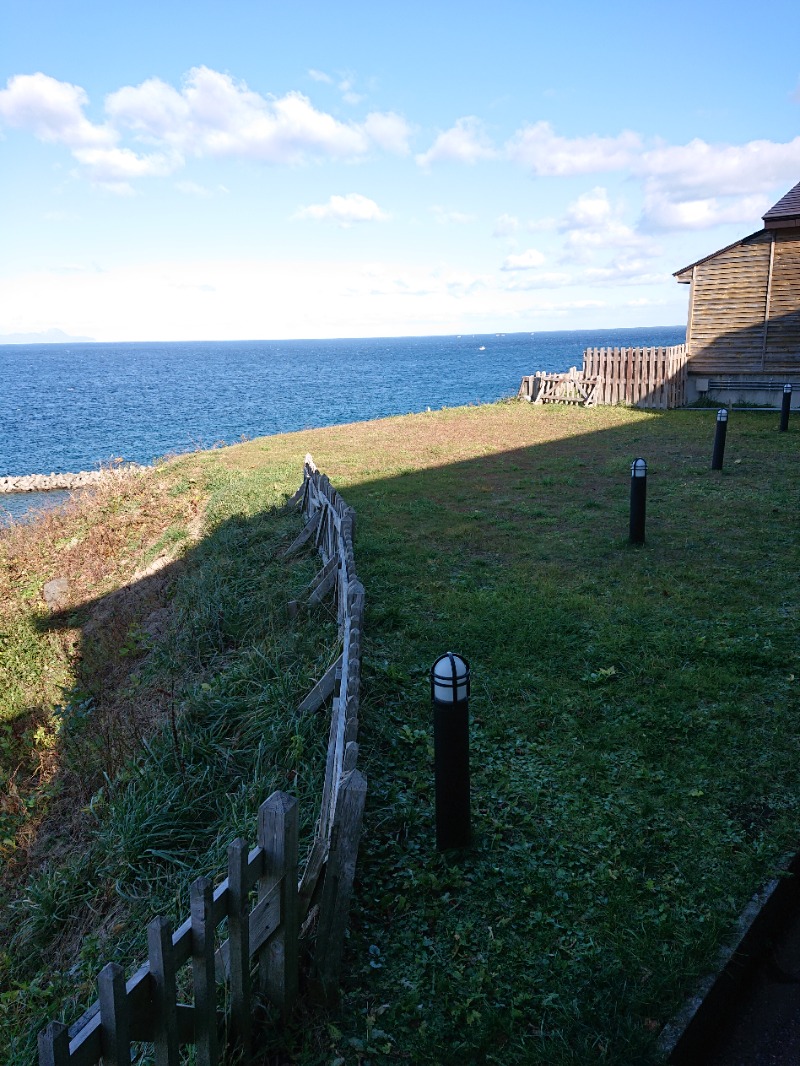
<point x="571" y="387"/>
<point x="265" y="911"/>
<point x="641" y="377"/>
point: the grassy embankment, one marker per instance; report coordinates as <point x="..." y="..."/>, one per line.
<point x="634" y="720"/>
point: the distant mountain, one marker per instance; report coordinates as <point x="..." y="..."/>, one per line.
<point x="50" y="336"/>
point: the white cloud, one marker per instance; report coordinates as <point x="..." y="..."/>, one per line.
<point x="213" y="115"/>
<point x="349" y="95"/>
<point x="210" y="115"/>
<point x="505" y="226"/>
<point x="442" y="282"/>
<point x="466" y="142"/>
<point x="698" y="169"/>
<point x="320" y="75"/>
<point x="52" y="110"/>
<point x="538" y="147"/>
<point x="445" y="216"/>
<point x="592" y="210"/>
<point x="389" y="131"/>
<point x="524" y="261"/>
<point x="591" y="223"/>
<point x="541" y="279"/>
<point x="193" y="188"/>
<point x="344" y="210"/>
<point x="663" y="213"/>
<point x="697" y="185"/>
<point x="121" y="164"/>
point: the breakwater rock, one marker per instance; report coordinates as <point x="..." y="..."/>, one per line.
<point x="46" y="482"/>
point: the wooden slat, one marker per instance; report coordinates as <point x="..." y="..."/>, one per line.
<point x="54" y="1045"/>
<point x="277" y="835"/>
<point x="322" y="690"/>
<point x="239" y="942"/>
<point x="338" y="886"/>
<point x="265" y="919"/>
<point x="114" y="1025"/>
<point x="314" y="865"/>
<point x="304" y="536"/>
<point x="161" y="957"/>
<point x="203" y="973"/>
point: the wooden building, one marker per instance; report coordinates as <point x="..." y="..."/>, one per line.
<point x="743" y="330"/>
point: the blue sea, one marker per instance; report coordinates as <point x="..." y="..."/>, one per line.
<point x="71" y="407"/>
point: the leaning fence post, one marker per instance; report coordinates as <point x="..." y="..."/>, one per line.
<point x="162" y="970"/>
<point x="239" y="940"/>
<point x="277" y="835"/>
<point x="339" y="875"/>
<point x="114" y="1015"/>
<point x="203" y="973"/>
<point x="54" y="1045"/>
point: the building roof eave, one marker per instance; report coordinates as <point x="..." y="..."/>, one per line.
<point x="719" y="251"/>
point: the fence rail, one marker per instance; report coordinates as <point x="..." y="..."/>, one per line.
<point x="641" y="377"/>
<point x="264" y="905"/>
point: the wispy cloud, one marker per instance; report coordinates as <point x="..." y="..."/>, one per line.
<point x="211" y="115"/>
<point x="465" y="142"/>
<point x="447" y="216"/>
<point x="538" y="148"/>
<point x="344" y="210"/>
<point x="524" y="261"/>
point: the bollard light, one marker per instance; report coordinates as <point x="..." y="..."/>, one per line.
<point x="719" y="439"/>
<point x="450" y="682"/>
<point x="786" y="407"/>
<point x="638" y="501"/>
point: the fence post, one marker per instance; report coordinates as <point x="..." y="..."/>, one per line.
<point x="162" y="970"/>
<point x="54" y="1045"/>
<point x="239" y="941"/>
<point x="277" y="835"/>
<point x="114" y="1015"/>
<point x="339" y="875"/>
<point x="203" y="973"/>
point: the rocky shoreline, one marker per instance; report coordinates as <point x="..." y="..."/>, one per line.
<point x="48" y="482"/>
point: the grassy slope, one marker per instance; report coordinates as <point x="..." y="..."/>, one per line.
<point x="634" y="715"/>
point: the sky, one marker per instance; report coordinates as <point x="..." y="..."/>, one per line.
<point x="262" y="170"/>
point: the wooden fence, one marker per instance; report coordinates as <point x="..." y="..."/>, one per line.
<point x="266" y="912"/>
<point x="571" y="387"/>
<point x="641" y="377"/>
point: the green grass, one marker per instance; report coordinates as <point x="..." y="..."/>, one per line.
<point x="634" y="726"/>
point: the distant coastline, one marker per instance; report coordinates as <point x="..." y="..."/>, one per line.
<point x="50" y="336"/>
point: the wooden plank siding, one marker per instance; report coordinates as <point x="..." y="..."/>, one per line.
<point x="744" y="309"/>
<point x="783" y="330"/>
<point x="727" y="308"/>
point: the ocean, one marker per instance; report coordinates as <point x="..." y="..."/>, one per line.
<point x="71" y="407"/>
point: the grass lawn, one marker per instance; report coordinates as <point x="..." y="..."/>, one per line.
<point x="634" y="719"/>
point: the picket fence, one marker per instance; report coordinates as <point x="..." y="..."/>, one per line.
<point x="641" y="377"/>
<point x="266" y="911"/>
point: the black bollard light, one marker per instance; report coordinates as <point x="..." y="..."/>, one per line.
<point x="719" y="439"/>
<point x="450" y="697"/>
<point x="638" y="500"/>
<point x="785" y="407"/>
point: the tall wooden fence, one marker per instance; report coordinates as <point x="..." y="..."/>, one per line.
<point x="641" y="377"/>
<point x="265" y="910"/>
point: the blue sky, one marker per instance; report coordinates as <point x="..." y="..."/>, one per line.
<point x="176" y="171"/>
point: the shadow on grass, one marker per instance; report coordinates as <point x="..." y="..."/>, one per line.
<point x="634" y="730"/>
